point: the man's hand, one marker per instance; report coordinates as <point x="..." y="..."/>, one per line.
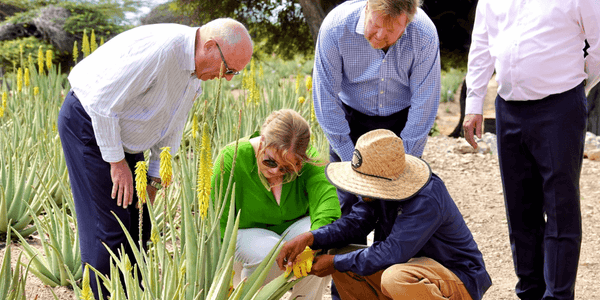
<point x="122" y="183"/>
<point x="291" y="249"/>
<point x="323" y="265"/>
<point x="472" y="121"/>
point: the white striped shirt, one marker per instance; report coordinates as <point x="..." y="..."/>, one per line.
<point x="349" y="70"/>
<point x="138" y="89"/>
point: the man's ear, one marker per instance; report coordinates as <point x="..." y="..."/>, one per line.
<point x="209" y="44"/>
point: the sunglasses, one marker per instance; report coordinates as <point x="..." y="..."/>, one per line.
<point x="271" y="163"/>
<point x="227" y="70"/>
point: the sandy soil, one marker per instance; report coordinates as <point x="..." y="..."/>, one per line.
<point x="474" y="182"/>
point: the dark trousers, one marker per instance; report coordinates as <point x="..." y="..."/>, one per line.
<point x="540" y="151"/>
<point x="91" y="185"/>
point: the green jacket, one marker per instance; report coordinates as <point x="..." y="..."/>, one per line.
<point x="309" y="194"/>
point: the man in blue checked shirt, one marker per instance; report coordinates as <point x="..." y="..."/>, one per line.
<point x="377" y="65"/>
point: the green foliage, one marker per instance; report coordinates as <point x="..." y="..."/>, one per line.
<point x="10" y="55"/>
<point x="97" y="16"/>
<point x="451" y="80"/>
<point x="274" y="26"/>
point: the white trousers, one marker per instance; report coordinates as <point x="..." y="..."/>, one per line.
<point x="253" y="245"/>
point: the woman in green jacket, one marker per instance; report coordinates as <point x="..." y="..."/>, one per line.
<point x="280" y="188"/>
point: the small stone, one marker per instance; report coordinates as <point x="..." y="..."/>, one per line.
<point x="594" y="154"/>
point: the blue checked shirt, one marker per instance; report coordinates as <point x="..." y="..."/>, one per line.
<point x="348" y="70"/>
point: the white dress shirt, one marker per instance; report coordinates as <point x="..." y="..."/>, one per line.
<point x="535" y="46"/>
<point x="138" y="89"/>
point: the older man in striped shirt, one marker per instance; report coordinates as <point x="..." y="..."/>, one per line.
<point x="131" y="95"/>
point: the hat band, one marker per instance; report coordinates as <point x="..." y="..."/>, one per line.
<point x="376" y="176"/>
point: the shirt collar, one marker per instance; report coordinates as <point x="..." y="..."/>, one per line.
<point x="360" y="27"/>
<point x="189" y="48"/>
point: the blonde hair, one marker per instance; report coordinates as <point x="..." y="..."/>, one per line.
<point x="286" y="130"/>
<point x="395" y="8"/>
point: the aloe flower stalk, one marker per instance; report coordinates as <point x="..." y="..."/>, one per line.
<point x="40" y="60"/>
<point x="93" y="44"/>
<point x="36" y="91"/>
<point x="86" y="290"/>
<point x="85" y="44"/>
<point x="301" y="100"/>
<point x="75" y="52"/>
<point x="19" y="80"/>
<point x="141" y="180"/>
<point x="308" y="83"/>
<point x="30" y="59"/>
<point x="166" y="168"/>
<point x="298" y="82"/>
<point x="26" y="77"/>
<point x="49" y="59"/>
<point x="204" y="172"/>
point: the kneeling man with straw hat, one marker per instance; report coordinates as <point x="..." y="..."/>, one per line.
<point x="424" y="249"/>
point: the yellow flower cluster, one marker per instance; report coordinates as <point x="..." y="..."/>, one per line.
<point x="166" y="168"/>
<point x="249" y="83"/>
<point x="298" y="82"/>
<point x="75" y="52"/>
<point x="19" y="80"/>
<point x="93" y="44"/>
<point x="40" y="60"/>
<point x="303" y="263"/>
<point x="194" y="126"/>
<point x="86" y="290"/>
<point x="308" y="83"/>
<point x="204" y="172"/>
<point x="36" y="91"/>
<point x="301" y="100"/>
<point x="26" y="78"/>
<point x="29" y="59"/>
<point x="85" y="44"/>
<point x="49" y="59"/>
<point x="141" y="180"/>
<point x="3" y="104"/>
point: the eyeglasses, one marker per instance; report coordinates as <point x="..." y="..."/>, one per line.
<point x="271" y="163"/>
<point x="227" y="70"/>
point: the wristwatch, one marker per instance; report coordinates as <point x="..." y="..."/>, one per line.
<point x="155" y="184"/>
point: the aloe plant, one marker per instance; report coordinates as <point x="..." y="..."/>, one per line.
<point x="12" y="283"/>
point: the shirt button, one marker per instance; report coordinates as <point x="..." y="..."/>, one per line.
<point x="380" y="105"/>
<point x="381" y="92"/>
<point x="384" y="60"/>
<point x="382" y="79"/>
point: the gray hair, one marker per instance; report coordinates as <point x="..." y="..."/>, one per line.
<point x="227" y="30"/>
<point x="395" y="8"/>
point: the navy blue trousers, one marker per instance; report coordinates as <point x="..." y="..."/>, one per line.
<point x="91" y="185"/>
<point x="540" y="151"/>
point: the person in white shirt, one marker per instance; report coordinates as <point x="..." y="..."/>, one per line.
<point x="536" y="48"/>
<point x="131" y="95"/>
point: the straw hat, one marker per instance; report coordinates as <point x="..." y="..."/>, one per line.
<point x="380" y="169"/>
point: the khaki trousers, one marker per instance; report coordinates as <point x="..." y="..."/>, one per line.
<point x="420" y="278"/>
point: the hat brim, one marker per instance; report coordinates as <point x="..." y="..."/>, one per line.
<point x="416" y="175"/>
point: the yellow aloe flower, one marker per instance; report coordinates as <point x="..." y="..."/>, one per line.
<point x="85" y="44"/>
<point x="194" y="126"/>
<point x="303" y="263"/>
<point x="86" y="289"/>
<point x="40" y="60"/>
<point x="1" y="111"/>
<point x="166" y="168"/>
<point x="49" y="59"/>
<point x="308" y="83"/>
<point x="19" y="80"/>
<point x="101" y="41"/>
<point x="75" y="52"/>
<point x="141" y="180"/>
<point x="313" y="116"/>
<point x="154" y="236"/>
<point x="36" y="90"/>
<point x="301" y="100"/>
<point x="93" y="44"/>
<point x="204" y="172"/>
<point x="26" y="77"/>
<point x="30" y="59"/>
